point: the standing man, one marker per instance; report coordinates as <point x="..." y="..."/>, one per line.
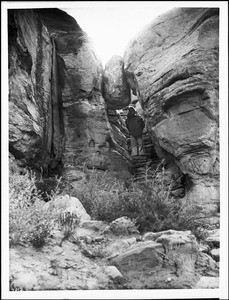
<point x="135" y="125"/>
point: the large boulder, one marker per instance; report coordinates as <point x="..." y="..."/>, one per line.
<point x="55" y="268"/>
<point x="116" y="91"/>
<point x="206" y="265"/>
<point x="166" y="261"/>
<point x="68" y="204"/>
<point x="173" y="66"/>
<point x="207" y="282"/>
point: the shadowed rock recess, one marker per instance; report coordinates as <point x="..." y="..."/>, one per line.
<point x="67" y="117"/>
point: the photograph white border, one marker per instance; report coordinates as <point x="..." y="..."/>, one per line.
<point x="222" y="292"/>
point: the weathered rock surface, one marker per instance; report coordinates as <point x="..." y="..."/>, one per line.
<point x="173" y="66"/>
<point x="116" y="91"/>
<point x="58" y="117"/>
<point x="72" y="205"/>
<point x="55" y="268"/>
<point x="90" y="259"/>
<point x="123" y="226"/>
<point x="215" y="253"/>
<point x="206" y="282"/>
<point x="213" y="238"/>
<point x="84" y="116"/>
<point x="114" y="274"/>
<point x="167" y="262"/>
<point x="120" y="162"/>
<point x="30" y="90"/>
<point x="206" y="265"/>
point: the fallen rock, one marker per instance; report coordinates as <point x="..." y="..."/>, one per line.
<point x="140" y="257"/>
<point x="207" y="283"/>
<point x="94" y="225"/>
<point x="116" y="90"/>
<point x="204" y="248"/>
<point x="215" y="253"/>
<point x="72" y="205"/>
<point x="115" y="274"/>
<point x="176" y="238"/>
<point x="167" y="262"/>
<point x="150" y="236"/>
<point x="118" y="246"/>
<point x="170" y="237"/>
<point x="206" y="265"/>
<point x="213" y="238"/>
<point x="123" y="226"/>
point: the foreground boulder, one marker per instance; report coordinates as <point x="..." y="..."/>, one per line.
<point x="173" y="65"/>
<point x="206" y="282"/>
<point x="167" y="261"/>
<point x="73" y="206"/>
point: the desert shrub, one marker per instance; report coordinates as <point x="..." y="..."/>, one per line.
<point x="68" y="221"/>
<point x="30" y="220"/>
<point x="48" y="187"/>
<point x="149" y="204"/>
<point x="192" y="217"/>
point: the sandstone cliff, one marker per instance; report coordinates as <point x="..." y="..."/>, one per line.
<point x="64" y="118"/>
<point x="63" y="106"/>
<point x="58" y="118"/>
<point x="172" y="65"/>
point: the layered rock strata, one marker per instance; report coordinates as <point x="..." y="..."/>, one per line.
<point x="173" y="67"/>
<point x="58" y="117"/>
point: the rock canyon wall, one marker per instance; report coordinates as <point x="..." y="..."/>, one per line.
<point x="64" y="106"/>
<point x="172" y="65"/>
<point x="58" y="116"/>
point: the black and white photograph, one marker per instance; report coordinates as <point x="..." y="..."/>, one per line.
<point x="114" y="150"/>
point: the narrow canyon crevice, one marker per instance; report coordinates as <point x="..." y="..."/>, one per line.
<point x="153" y="218"/>
<point x="71" y="112"/>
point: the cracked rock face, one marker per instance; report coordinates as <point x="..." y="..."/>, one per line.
<point x="30" y="124"/>
<point x="57" y="114"/>
<point x="83" y="109"/>
<point x="166" y="261"/>
<point x="173" y="65"/>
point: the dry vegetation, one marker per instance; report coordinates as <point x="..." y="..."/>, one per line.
<point x="149" y="205"/>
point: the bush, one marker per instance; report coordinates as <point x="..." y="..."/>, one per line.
<point x="68" y="221"/>
<point x="30" y="220"/>
<point x="150" y="205"/>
